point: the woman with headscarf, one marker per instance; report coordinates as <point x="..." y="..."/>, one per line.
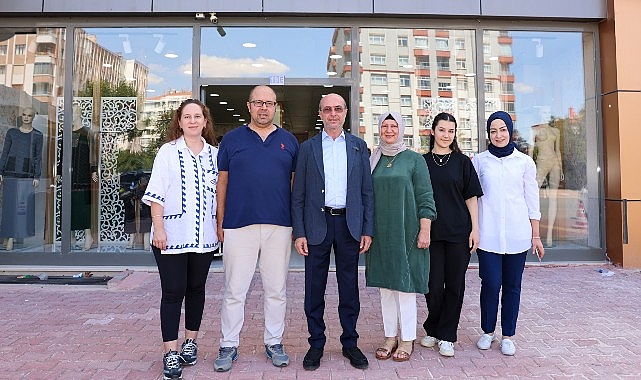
<point x="398" y="260"/>
<point x="509" y="217"/>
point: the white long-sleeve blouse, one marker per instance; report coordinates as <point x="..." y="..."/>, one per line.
<point x="510" y="200"/>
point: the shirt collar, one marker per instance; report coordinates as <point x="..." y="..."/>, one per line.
<point x="325" y="136"/>
<point x="181" y="144"/>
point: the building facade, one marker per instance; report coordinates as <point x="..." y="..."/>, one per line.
<point x="116" y="81"/>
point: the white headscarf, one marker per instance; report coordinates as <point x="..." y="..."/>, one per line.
<point x="388" y="149"/>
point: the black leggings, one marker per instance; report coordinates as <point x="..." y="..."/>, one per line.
<point x="182" y="276"/>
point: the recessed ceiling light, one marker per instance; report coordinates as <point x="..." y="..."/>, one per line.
<point x="335" y="56"/>
<point x="230" y="109"/>
<point x="236" y="115"/>
<point x="171" y="55"/>
<point x="214" y="94"/>
<point x="223" y="103"/>
<point x="249" y="45"/>
<point x="241" y="119"/>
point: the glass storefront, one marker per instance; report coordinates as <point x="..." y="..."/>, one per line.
<point x="92" y="166"/>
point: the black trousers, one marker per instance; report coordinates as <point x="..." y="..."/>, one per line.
<point x="346" y="254"/>
<point x="182" y="276"/>
<point x="448" y="264"/>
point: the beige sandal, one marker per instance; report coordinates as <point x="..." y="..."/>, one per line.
<point x="404" y="351"/>
<point x="384" y="352"/>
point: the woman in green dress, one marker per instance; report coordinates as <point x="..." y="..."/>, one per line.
<point x="398" y="261"/>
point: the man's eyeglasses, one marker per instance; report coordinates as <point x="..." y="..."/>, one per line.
<point x="328" y="109"/>
<point x="260" y="103"/>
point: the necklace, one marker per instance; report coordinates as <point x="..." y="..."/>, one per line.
<point x="440" y="162"/>
<point x="390" y="162"/>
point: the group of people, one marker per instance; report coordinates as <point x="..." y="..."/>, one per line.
<point x="259" y="188"/>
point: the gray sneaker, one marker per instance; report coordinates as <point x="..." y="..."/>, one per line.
<point x="226" y="358"/>
<point x="277" y="354"/>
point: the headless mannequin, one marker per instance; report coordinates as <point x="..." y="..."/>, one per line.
<point x="548" y="166"/>
<point x="28" y="114"/>
<point x="76" y="127"/>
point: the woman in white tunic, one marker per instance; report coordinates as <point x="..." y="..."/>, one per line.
<point x="181" y="193"/>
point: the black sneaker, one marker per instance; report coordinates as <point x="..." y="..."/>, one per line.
<point x="189" y="352"/>
<point x="172" y="368"/>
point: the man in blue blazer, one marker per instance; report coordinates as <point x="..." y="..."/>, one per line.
<point x="332" y="207"/>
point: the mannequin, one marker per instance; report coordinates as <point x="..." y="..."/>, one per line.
<point x="19" y="173"/>
<point x="137" y="214"/>
<point x="83" y="172"/>
<point x="547" y="155"/>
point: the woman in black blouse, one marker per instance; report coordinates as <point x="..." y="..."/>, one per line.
<point x="455" y="233"/>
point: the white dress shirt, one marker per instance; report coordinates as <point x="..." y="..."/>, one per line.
<point x="185" y="185"/>
<point x="510" y="199"/>
<point x="335" y="166"/>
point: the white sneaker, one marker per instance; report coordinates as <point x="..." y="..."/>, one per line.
<point x="446" y="348"/>
<point x="429" y="341"/>
<point x="485" y="341"/>
<point x="507" y="347"/>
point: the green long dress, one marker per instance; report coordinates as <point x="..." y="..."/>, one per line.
<point x="402" y="196"/>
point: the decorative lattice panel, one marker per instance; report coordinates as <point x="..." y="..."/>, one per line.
<point x="117" y="117"/>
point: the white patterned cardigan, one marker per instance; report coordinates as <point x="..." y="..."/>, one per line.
<point x="185" y="185"/>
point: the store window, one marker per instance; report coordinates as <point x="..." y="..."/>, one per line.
<point x="545" y="80"/>
<point x="425" y="82"/>
<point x="27" y="129"/>
<point x="127" y="83"/>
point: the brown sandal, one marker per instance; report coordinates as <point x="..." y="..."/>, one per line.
<point x="404" y="351"/>
<point x="384" y="352"/>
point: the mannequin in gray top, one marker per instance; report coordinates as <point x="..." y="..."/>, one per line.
<point x="19" y="174"/>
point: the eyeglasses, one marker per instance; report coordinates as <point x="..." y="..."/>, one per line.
<point x="337" y="109"/>
<point x="260" y="103"/>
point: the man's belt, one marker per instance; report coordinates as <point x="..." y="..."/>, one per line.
<point x="334" y="211"/>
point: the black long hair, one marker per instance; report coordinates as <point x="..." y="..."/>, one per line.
<point x="447" y="117"/>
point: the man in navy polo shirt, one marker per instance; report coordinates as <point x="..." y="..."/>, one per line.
<point x="256" y="162"/>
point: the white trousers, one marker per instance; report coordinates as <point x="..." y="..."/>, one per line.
<point x="399" y="308"/>
<point x="241" y="250"/>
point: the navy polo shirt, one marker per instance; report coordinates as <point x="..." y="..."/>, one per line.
<point x="259" y="172"/>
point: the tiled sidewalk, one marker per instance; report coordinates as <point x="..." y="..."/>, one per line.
<point x="574" y="322"/>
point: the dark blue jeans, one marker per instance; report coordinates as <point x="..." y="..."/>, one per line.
<point x="500" y="273"/>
